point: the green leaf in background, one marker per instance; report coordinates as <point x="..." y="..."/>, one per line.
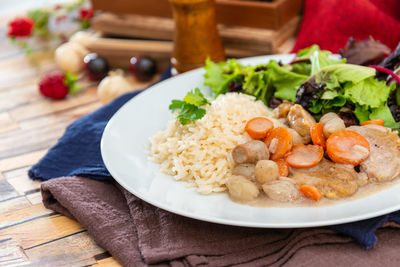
<point x="41" y="20"/>
<point x="321" y="59"/>
<point x="362" y="113"/>
<point x="338" y="101"/>
<point x="303" y="68"/>
<point x="316" y="106"/>
<point x="196" y="98"/>
<point x="219" y="75"/>
<point x="384" y="113"/>
<point x="334" y="75"/>
<point x="307" y="52"/>
<point x="285" y="82"/>
<point x="369" y="92"/>
<point x="70" y="81"/>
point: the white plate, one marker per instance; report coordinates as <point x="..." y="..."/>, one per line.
<point x="123" y="148"/>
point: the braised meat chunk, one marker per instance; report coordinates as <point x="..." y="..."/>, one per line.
<point x="332" y="179"/>
<point x="383" y="163"/>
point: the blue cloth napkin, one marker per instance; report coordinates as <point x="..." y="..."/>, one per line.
<point x="77" y="153"/>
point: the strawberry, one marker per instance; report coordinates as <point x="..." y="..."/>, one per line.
<point x="56" y="85"/>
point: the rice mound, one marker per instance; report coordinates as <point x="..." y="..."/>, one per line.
<point x="200" y="152"/>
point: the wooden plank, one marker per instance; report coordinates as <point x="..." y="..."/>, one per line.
<point x="231" y="12"/>
<point x="108" y="262"/>
<point x="23" y="184"/>
<point x="64" y="117"/>
<point x="18" y="70"/>
<point x="34" y="198"/>
<point x="51" y="106"/>
<point x="69" y="251"/>
<point x="22" y="215"/>
<point x="16" y="173"/>
<point x="14" y="204"/>
<point x="233" y="37"/>
<point x="11" y="253"/>
<point x="6" y="123"/>
<point x="6" y="190"/>
<point x="20" y="161"/>
<point x="41" y="230"/>
<point x="24" y="94"/>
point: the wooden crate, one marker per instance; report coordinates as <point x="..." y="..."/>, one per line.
<point x="256" y="14"/>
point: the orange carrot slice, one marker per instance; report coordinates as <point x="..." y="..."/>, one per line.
<point x="258" y="127"/>
<point x="279" y="141"/>
<point x="317" y="135"/>
<point x="304" y="156"/>
<point x="311" y="192"/>
<point x="376" y="122"/>
<point x="347" y="147"/>
<point x="283" y="168"/>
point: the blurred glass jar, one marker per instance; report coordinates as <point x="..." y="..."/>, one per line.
<point x="196" y="35"/>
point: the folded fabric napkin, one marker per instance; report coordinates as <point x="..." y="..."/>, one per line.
<point x="330" y="23"/>
<point x="138" y="233"/>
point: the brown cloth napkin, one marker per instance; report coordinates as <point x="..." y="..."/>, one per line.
<point x="139" y="234"/>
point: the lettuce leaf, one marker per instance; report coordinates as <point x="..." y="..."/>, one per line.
<point x="369" y="92"/>
<point x="383" y="112"/>
<point x="285" y="82"/>
<point x="219" y="75"/>
<point x="321" y="59"/>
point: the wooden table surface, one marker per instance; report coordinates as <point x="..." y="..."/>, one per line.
<point x="29" y="126"/>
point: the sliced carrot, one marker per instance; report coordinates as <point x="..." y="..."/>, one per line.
<point x="283" y="168"/>
<point x="311" y="192"/>
<point x="258" y="127"/>
<point x="304" y="156"/>
<point x="347" y="147"/>
<point x="317" y="135"/>
<point x="377" y="122"/>
<point x="279" y="141"/>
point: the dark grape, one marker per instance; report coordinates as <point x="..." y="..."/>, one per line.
<point x="96" y="66"/>
<point x="143" y="68"/>
<point x="234" y="87"/>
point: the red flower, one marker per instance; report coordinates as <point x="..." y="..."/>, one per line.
<point x="85" y="13"/>
<point x="20" y="27"/>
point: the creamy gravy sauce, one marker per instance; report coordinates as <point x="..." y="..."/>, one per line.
<point x="365" y="191"/>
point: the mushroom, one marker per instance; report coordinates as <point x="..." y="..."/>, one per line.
<point x="283" y="190"/>
<point x="113" y="86"/>
<point x="282" y="110"/>
<point x="332" y="124"/>
<point x="245" y="169"/>
<point x="301" y="121"/>
<point x="69" y="57"/>
<point x="250" y="152"/>
<point x="266" y="171"/>
<point x="241" y="188"/>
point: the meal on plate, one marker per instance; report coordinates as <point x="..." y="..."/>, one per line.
<point x="317" y="128"/>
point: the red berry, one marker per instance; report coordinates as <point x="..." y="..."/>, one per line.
<point x="53" y="85"/>
<point x="85" y="13"/>
<point x="20" y="27"/>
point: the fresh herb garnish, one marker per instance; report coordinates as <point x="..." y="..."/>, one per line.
<point x="190" y="108"/>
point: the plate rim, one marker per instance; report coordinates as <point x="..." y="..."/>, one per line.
<point x="192" y="215"/>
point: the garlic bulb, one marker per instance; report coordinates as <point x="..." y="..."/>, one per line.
<point x="69" y="57"/>
<point x="82" y="38"/>
<point x="113" y="86"/>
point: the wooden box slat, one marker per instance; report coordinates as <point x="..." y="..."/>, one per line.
<point x="266" y="15"/>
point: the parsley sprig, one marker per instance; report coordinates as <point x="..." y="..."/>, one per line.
<point x="190" y="108"/>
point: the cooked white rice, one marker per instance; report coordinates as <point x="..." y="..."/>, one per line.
<point x="200" y="152"/>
